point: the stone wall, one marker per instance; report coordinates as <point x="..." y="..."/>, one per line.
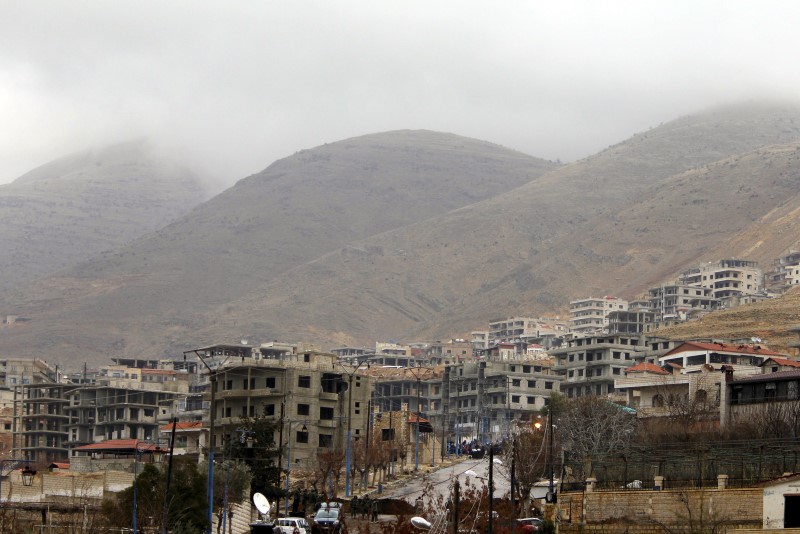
<point x="647" y="512"/>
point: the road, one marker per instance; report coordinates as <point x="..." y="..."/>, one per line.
<point x="441" y="480"/>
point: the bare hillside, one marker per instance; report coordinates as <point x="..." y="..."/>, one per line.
<point x="80" y="205"/>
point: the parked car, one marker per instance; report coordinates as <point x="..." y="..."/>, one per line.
<point x="529" y="524"/>
<point x="291" y="525"/>
<point x="328" y="519"/>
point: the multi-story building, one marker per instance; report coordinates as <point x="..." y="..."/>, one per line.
<point x="51" y="419"/>
<point x="590" y="315"/>
<point x="18" y="371"/>
<point x="311" y="396"/>
<point x="630" y="322"/>
<point x="785" y="273"/>
<point x="676" y="300"/>
<point x="727" y="279"/>
<point x="524" y="330"/>
<point x="589" y="365"/>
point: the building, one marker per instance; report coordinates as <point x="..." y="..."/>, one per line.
<point x="313" y="398"/>
<point x="51" y="419"/>
<point x="676" y="301"/>
<point x="590" y="365"/>
<point x="524" y="330"/>
<point x="785" y="273"/>
<point x="590" y="315"/>
<point x="728" y="280"/>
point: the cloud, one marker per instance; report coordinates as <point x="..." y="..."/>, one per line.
<point x="235" y="85"/>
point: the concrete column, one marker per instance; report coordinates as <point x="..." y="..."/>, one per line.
<point x="590" y="482"/>
<point x="722" y="482"/>
<point x="659" y="483"/>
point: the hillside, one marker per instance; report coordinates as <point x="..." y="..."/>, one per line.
<point x="610" y="224"/>
<point x="151" y="295"/>
<point x="421" y="235"/>
<point x="766" y="320"/>
<point x="77" y="206"/>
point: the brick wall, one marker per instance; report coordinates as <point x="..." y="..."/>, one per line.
<point x="656" y="511"/>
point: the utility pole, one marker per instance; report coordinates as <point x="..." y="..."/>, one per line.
<point x="491" y="489"/>
<point x="212" y="377"/>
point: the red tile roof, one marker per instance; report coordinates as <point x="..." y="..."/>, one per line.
<point x="646" y="368"/>
<point x="784" y="361"/>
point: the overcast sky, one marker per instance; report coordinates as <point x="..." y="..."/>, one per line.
<point x="238" y="84"/>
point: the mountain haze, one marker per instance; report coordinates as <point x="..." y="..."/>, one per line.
<point x="422" y="235"/>
<point x="126" y="301"/>
<point x="77" y="206"/>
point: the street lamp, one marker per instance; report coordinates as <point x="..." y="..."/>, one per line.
<point x="27" y="472"/>
<point x="349" y="411"/>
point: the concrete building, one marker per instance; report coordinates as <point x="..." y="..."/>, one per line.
<point x="313" y="398"/>
<point x="676" y="301"/>
<point x="727" y="279"/>
<point x="785" y="273"/>
<point x="589" y="365"/>
<point x="590" y="315"/>
<point x="525" y="330"/>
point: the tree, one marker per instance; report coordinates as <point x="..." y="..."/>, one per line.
<point x="253" y="443"/>
<point x="592" y="427"/>
<point x="186" y="508"/>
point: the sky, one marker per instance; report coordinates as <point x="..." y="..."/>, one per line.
<point x="233" y="85"/>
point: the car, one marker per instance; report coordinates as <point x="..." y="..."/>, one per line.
<point x="529" y="524"/>
<point x="328" y="519"/>
<point x="290" y="525"/>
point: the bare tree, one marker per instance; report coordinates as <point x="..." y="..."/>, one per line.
<point x="593" y="426"/>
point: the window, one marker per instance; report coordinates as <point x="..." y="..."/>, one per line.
<point x="531" y="383"/>
<point x="531" y="400"/>
<point x="387" y="434"/>
<point x="515" y="398"/>
<point x="615" y="370"/>
<point x="325" y="440"/>
<point x="325" y="413"/>
<point x="658" y="401"/>
<point x="526" y="368"/>
<point x="269" y="409"/>
<point x="357" y="407"/>
<point x="516" y="382"/>
<point x="270" y="381"/>
<point x="303" y="409"/>
<point x="227" y="412"/>
<point x="301" y="436"/>
<point x="304" y="381"/>
<point x="548" y="385"/>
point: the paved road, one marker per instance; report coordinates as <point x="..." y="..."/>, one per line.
<point x="442" y="479"/>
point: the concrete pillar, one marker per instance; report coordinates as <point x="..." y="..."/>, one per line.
<point x="722" y="482"/>
<point x="659" y="483"/>
<point x="590" y="482"/>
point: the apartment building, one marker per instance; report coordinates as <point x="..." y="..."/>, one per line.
<point x="677" y="300"/>
<point x="311" y="396"/>
<point x="589" y="365"/>
<point x="726" y="279"/>
<point x="785" y="273"/>
<point x="51" y="419"/>
<point x="525" y="330"/>
<point x="590" y="315"/>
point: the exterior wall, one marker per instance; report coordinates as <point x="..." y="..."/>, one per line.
<point x="591" y="314"/>
<point x="313" y="390"/>
<point x="774" y="502"/>
<point x="725" y="278"/>
<point x="652" y="511"/>
<point x="589" y="366"/>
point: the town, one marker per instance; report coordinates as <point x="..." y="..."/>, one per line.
<point x="698" y="421"/>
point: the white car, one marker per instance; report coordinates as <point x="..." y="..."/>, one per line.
<point x="291" y="525"/>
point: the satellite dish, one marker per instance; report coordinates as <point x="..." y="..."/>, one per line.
<point x="262" y="504"/>
<point x="421" y="523"/>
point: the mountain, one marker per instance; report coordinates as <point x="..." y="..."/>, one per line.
<point x="77" y="206"/>
<point x="614" y="223"/>
<point x="146" y="298"/>
<point x="420" y="235"/>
